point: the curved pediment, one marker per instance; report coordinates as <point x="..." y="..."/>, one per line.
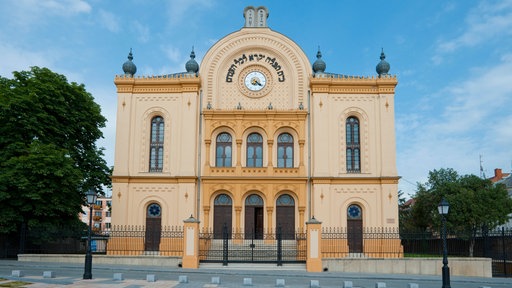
<point x="255" y="69"/>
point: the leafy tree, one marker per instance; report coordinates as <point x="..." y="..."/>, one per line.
<point x="48" y="155"/>
<point x="475" y="203"/>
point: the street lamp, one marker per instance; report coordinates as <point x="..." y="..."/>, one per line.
<point x="443" y="208"/>
<point x="91" y="199"/>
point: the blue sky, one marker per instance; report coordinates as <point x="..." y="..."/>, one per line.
<point x="453" y="60"/>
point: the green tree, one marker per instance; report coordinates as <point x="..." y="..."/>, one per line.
<point x="475" y="203"/>
<point x="48" y="152"/>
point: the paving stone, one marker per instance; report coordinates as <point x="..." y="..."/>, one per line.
<point x="17" y="273"/>
<point x="280" y="283"/>
<point x="118" y="277"/>
<point x="347" y="284"/>
<point x="151" y="278"/>
<point x="314" y="284"/>
<point x="380" y="285"/>
<point x="48" y="274"/>
<point x="247" y="281"/>
<point x="413" y="285"/>
<point x="183" y="279"/>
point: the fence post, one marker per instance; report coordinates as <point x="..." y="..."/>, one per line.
<point x="225" y="245"/>
<point x="279" y="246"/>
<point x="314" y="249"/>
<point x="191" y="240"/>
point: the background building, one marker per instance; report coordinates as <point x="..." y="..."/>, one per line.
<point x="256" y="138"/>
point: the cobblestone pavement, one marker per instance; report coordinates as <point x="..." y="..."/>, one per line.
<point x="70" y="275"/>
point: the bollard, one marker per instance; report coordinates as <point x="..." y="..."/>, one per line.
<point x="347" y="284"/>
<point x="314" y="284"/>
<point x="413" y="285"/>
<point x="280" y="283"/>
<point x="151" y="278"/>
<point x="247" y="281"/>
<point x="17" y="273"/>
<point x="183" y="279"/>
<point x="215" y="280"/>
<point x="48" y="274"/>
<point x="118" y="277"/>
<point x="380" y="285"/>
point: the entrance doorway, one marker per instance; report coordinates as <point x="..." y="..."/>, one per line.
<point x="254" y="217"/>
<point x="222" y="216"/>
<point x="153" y="227"/>
<point x="285" y="216"/>
<point x="355" y="229"/>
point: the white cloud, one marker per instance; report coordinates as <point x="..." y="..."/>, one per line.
<point x="110" y="21"/>
<point x="179" y="10"/>
<point x="474" y="119"/>
<point x="172" y="53"/>
<point x="488" y="20"/>
<point x="18" y="59"/>
<point x="142" y="31"/>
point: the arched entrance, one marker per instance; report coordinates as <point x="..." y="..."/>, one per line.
<point x="153" y="227"/>
<point x="285" y="216"/>
<point x="254" y="217"/>
<point x="355" y="229"/>
<point x="222" y="215"/>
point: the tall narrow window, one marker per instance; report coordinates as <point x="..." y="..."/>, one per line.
<point x="223" y="150"/>
<point x="254" y="150"/>
<point x="285" y="151"/>
<point x="353" y="145"/>
<point x="156" y="146"/>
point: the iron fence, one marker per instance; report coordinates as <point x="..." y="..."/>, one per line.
<point x="237" y="246"/>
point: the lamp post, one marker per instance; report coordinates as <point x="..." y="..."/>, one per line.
<point x="91" y="199"/>
<point x="443" y="208"/>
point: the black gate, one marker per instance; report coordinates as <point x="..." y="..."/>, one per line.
<point x="250" y="247"/>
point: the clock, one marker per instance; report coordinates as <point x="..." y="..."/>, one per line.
<point x="255" y="81"/>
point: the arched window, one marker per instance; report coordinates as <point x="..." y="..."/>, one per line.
<point x="285" y="151"/>
<point x="223" y="150"/>
<point x="285" y="216"/>
<point x="353" y="145"/>
<point x="153" y="227"/>
<point x="156" y="146"/>
<point x="254" y="150"/>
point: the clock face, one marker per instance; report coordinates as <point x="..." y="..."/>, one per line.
<point x="255" y="81"/>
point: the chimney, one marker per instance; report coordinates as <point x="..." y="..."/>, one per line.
<point x="498" y="174"/>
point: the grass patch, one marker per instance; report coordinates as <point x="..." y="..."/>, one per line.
<point x="15" y="284"/>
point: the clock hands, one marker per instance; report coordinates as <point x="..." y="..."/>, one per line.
<point x="255" y="81"/>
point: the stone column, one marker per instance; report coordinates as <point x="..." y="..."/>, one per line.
<point x="314" y="238"/>
<point x="191" y="239"/>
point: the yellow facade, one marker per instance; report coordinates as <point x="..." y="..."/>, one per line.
<point x="256" y="81"/>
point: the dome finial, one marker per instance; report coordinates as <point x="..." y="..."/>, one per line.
<point x="191" y="66"/>
<point x="319" y="65"/>
<point x="129" y="68"/>
<point x="383" y="66"/>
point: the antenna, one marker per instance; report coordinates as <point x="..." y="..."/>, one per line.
<point x="482" y="174"/>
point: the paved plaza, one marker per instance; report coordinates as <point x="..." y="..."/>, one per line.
<point x="214" y="275"/>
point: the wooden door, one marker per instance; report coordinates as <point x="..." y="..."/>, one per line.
<point x="153" y="228"/>
<point x="222" y="216"/>
<point x="355" y="229"/>
<point x="254" y="217"/>
<point x="285" y="216"/>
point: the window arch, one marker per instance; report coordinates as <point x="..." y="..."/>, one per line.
<point x="285" y="150"/>
<point x="223" y="150"/>
<point x="353" y="145"/>
<point x="254" y="150"/>
<point x="156" y="145"/>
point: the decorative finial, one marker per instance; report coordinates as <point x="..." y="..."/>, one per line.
<point x="270" y="106"/>
<point x="301" y="107"/>
<point x="129" y="68"/>
<point x="383" y="66"/>
<point x="239" y="107"/>
<point x="191" y="66"/>
<point x="209" y="106"/>
<point x="319" y="65"/>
